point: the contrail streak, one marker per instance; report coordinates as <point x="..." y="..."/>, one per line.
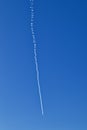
<point x="35" y="53"/>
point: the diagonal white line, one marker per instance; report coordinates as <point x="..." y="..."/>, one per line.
<point x="35" y="53"/>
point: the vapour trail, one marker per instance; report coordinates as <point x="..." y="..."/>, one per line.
<point x="35" y="53"/>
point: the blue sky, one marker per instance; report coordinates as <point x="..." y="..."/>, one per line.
<point x="61" y="33"/>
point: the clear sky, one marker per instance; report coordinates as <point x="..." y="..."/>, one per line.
<point x="61" y="33"/>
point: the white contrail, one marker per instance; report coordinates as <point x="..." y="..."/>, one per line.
<point x="35" y="53"/>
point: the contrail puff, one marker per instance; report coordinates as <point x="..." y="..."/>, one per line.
<point x="35" y="53"/>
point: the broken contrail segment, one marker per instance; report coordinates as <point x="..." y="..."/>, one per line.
<point x="35" y="52"/>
